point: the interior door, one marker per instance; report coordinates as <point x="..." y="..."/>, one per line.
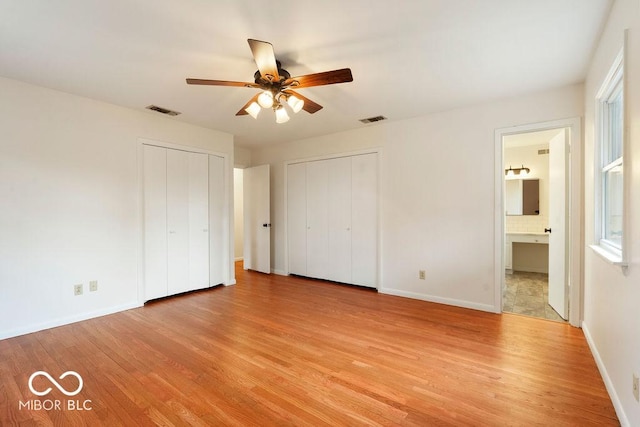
<point x="558" y="223"/>
<point x="257" y="219"/>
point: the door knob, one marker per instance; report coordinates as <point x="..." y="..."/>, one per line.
<point x="266" y="225"/>
<point x="547" y="230"/>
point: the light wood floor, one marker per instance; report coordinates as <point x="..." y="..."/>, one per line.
<point x="291" y="351"/>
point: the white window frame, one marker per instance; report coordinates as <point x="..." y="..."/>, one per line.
<point x="613" y="85"/>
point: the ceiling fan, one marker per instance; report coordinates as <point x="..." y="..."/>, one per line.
<point x="276" y="84"/>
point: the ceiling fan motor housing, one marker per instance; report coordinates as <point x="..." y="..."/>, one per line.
<point x="265" y="81"/>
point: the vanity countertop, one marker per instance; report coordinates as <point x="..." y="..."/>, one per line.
<point x="530" y="233"/>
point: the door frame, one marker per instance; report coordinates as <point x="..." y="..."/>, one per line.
<point x="227" y="255"/>
<point x="575" y="210"/>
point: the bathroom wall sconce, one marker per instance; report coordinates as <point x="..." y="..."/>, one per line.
<point x="517" y="171"/>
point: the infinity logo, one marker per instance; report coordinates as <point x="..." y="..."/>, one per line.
<point x="55" y="383"/>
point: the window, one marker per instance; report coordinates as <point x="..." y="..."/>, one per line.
<point x="609" y="165"/>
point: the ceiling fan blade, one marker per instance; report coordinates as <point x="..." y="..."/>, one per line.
<point x="219" y="83"/>
<point x="320" y="79"/>
<point x="309" y="106"/>
<point x="265" y="59"/>
<point x="242" y="111"/>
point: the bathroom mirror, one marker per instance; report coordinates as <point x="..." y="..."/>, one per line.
<point x="522" y="196"/>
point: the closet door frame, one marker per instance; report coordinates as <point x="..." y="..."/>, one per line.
<point x="374" y="150"/>
<point x="227" y="211"/>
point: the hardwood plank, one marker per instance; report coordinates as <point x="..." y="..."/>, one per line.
<point x="276" y="350"/>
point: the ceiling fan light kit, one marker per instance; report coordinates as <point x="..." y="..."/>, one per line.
<point x="281" y="115"/>
<point x="253" y="109"/>
<point x="276" y="83"/>
<point x="265" y="99"/>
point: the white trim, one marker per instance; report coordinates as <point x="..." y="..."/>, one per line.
<point x="609" y="256"/>
<point x="575" y="212"/>
<point x="430" y="298"/>
<point x="334" y="156"/>
<point x="611" y="253"/>
<point x="62" y="321"/>
<point x="615" y="399"/>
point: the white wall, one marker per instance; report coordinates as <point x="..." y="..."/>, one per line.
<point x="70" y="208"/>
<point x="437" y="193"/>
<point x="612" y="296"/>
<point x="539" y="165"/>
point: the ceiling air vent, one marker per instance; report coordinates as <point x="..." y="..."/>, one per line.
<point x="162" y="110"/>
<point x="373" y="119"/>
<point x="544" y="151"/>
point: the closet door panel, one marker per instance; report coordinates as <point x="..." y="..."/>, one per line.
<point x="339" y="220"/>
<point x="297" y="218"/>
<point x="317" y="219"/>
<point x="155" y="221"/>
<point x="216" y="220"/>
<point x="178" y="221"/>
<point x="365" y="220"/>
<point x="198" y="170"/>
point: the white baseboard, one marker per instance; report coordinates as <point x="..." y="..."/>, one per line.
<point x="439" y="300"/>
<point x="278" y="272"/>
<point x="617" y="404"/>
<point x="66" y="320"/>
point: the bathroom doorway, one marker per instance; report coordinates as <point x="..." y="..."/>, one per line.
<point x="535" y="231"/>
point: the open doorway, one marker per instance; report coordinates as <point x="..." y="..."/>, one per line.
<point x="238" y="213"/>
<point x="533" y="189"/>
<point x="536" y="272"/>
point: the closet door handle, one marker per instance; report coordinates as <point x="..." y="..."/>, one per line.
<point x="547" y="230"/>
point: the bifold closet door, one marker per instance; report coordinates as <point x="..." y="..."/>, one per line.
<point x="317" y="218"/>
<point x="155" y="221"/>
<point x="297" y="218"/>
<point x="198" y="222"/>
<point x="332" y="219"/>
<point x="183" y="221"/>
<point x="216" y="220"/>
<point x="339" y="220"/>
<point x="178" y="221"/>
<point x="364" y="211"/>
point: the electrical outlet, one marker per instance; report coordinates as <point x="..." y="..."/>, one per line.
<point x="77" y="289"/>
<point x="422" y="274"/>
<point x="636" y="392"/>
<point x="93" y="286"/>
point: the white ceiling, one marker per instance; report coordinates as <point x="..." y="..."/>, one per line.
<point x="408" y="57"/>
<point x="529" y="139"/>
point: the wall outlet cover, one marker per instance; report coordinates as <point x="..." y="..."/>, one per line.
<point x="77" y="289"/>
